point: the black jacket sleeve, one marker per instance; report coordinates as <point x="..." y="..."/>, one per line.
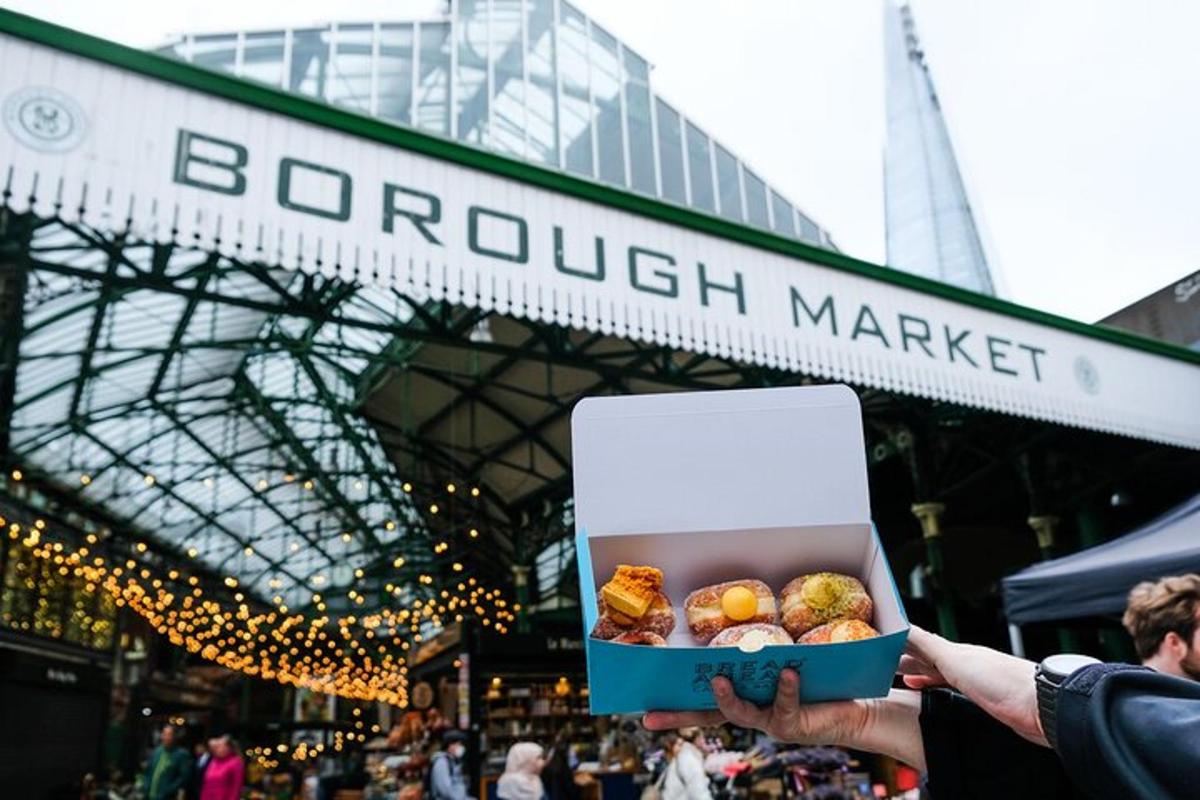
<point x="971" y="755"/>
<point x="1130" y="732"/>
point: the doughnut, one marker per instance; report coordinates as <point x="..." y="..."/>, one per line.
<point x="659" y="619"/>
<point x="648" y="638"/>
<point x="751" y="637"/>
<point x="712" y="609"/>
<point x="841" y="630"/>
<point x="812" y="600"/>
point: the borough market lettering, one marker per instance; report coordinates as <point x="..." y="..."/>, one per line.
<point x="219" y="165"/>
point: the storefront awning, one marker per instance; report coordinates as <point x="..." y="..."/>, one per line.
<point x="125" y="141"/>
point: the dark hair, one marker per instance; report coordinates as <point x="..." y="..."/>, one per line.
<point x="1156" y="608"/>
<point x="669" y="741"/>
<point x="452" y="736"/>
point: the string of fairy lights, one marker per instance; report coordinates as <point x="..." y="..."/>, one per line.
<point x="361" y="656"/>
<point x="269" y="757"/>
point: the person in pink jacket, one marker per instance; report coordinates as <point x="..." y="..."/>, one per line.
<point x="225" y="772"/>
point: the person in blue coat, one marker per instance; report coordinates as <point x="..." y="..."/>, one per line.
<point x="446" y="778"/>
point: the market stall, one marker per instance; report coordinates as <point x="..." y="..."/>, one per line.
<point x="1096" y="582"/>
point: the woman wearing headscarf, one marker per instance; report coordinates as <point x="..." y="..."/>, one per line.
<point x="522" y="773"/>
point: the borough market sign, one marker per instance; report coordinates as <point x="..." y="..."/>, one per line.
<point x="128" y="142"/>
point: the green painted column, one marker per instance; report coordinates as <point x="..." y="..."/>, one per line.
<point x="1093" y="530"/>
<point x="521" y="584"/>
<point x="930" y="517"/>
<point x="1045" y="527"/>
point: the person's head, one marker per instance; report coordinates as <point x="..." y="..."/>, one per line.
<point x="222" y="747"/>
<point x="671" y="743"/>
<point x="455" y="743"/>
<point x="1163" y="617"/>
<point x="168" y="736"/>
<point x="526" y="758"/>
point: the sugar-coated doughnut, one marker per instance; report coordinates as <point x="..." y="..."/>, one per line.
<point x="812" y="600"/>
<point x="708" y="609"/>
<point x="647" y="638"/>
<point x="841" y="630"/>
<point x="751" y="637"/>
<point x="658" y="619"/>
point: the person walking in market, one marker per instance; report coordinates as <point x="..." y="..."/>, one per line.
<point x="225" y="773"/>
<point x="446" y="778"/>
<point x="522" y="778"/>
<point x="685" y="778"/>
<point x="1163" y="617"/>
<point x="559" y="773"/>
<point x="169" y="767"/>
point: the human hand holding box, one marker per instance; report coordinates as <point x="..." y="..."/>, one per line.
<point x="712" y="487"/>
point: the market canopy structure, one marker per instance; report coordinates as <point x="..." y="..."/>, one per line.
<point x="310" y="374"/>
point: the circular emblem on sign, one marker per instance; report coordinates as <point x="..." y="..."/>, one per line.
<point x="422" y="696"/>
<point x="44" y="119"/>
<point x="1087" y="375"/>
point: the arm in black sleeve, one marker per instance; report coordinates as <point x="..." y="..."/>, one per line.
<point x="970" y="754"/>
<point x="1130" y="732"/>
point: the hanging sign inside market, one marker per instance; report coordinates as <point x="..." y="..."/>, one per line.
<point x="96" y="143"/>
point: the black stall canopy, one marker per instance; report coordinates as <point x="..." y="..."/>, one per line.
<point x="1096" y="581"/>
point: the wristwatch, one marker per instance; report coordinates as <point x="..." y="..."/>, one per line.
<point x="1048" y="677"/>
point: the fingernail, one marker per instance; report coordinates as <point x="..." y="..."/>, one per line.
<point x="720" y="688"/>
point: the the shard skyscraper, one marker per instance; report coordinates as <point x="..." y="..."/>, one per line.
<point x="930" y="228"/>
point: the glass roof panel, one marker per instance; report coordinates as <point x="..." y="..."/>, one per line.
<point x="211" y="426"/>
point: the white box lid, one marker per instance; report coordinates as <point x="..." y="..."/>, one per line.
<point x="746" y="458"/>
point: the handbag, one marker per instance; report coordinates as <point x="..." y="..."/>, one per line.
<point x="653" y="791"/>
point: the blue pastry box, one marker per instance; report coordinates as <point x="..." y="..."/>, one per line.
<point x="709" y="487"/>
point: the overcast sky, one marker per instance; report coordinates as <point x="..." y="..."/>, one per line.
<point x="1076" y="122"/>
